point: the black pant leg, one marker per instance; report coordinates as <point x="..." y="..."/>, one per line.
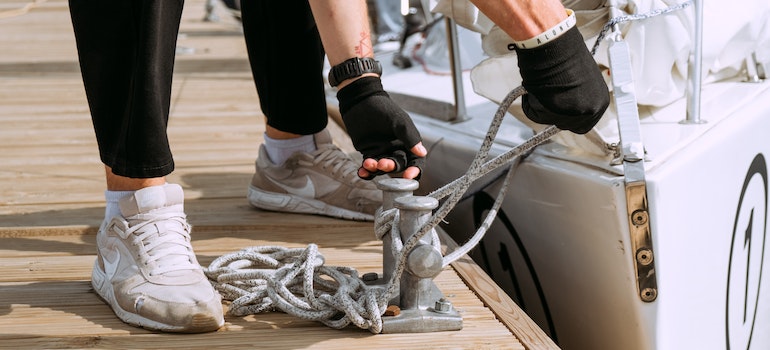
<point x="286" y="58"/>
<point x="126" y="50"/>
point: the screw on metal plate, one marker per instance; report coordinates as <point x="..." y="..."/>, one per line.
<point x="392" y="310"/>
<point x="443" y="306"/>
<point x="370" y="276"/>
<point x="644" y="256"/>
<point x="648" y="294"/>
<point x="639" y="217"/>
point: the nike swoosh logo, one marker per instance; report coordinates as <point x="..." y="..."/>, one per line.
<point x="111" y="260"/>
<point x="307" y="190"/>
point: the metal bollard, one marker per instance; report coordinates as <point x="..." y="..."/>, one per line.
<point x="392" y="188"/>
<point x="422" y="307"/>
<point x="424" y="261"/>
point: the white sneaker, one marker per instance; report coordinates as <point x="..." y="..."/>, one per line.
<point x="323" y="182"/>
<point x="146" y="270"/>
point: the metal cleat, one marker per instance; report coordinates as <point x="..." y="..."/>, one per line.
<point x="422" y="307"/>
<point x="392" y="188"/>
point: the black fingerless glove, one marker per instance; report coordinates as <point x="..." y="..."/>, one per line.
<point x="378" y="127"/>
<point x="564" y="86"/>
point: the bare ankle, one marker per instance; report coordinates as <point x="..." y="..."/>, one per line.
<point x="122" y="183"/>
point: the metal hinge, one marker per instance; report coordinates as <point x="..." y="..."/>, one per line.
<point x="641" y="240"/>
<point x="632" y="155"/>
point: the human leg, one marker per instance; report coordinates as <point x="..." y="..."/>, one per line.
<point x="145" y="267"/>
<point x="283" y="45"/>
<point x="298" y="169"/>
<point x="127" y="72"/>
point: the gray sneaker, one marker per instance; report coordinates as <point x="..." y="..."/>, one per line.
<point x="146" y="270"/>
<point x="321" y="182"/>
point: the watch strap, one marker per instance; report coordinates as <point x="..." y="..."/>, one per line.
<point x="354" y="67"/>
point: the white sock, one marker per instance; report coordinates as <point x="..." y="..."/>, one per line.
<point x="112" y="209"/>
<point x="280" y="150"/>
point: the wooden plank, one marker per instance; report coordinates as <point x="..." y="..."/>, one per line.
<point x="214" y="214"/>
<point x="32" y="318"/>
<point x="60" y="266"/>
<point x="51" y="200"/>
<point x="527" y="331"/>
<point x="53" y="294"/>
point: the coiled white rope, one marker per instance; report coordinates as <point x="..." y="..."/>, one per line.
<point x="296" y="281"/>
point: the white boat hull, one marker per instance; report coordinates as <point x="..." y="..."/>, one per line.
<point x="561" y="246"/>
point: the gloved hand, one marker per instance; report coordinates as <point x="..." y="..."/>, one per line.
<point x="564" y="86"/>
<point x="379" y="128"/>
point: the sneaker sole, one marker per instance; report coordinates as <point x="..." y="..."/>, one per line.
<point x="294" y="204"/>
<point x="200" y="323"/>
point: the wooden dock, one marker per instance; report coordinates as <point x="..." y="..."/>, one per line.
<point x="51" y="202"/>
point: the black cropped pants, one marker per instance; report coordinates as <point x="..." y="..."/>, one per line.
<point x="126" y="50"/>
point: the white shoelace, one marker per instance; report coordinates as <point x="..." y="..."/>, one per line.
<point x="338" y="162"/>
<point x="166" y="241"/>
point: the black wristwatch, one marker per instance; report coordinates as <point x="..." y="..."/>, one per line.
<point x="354" y="67"/>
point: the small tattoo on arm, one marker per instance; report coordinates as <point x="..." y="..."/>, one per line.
<point x="364" y="48"/>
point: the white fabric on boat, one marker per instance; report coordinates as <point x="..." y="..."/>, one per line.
<point x="660" y="48"/>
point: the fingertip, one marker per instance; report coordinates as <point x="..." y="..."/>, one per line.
<point x="419" y="150"/>
<point x="387" y="165"/>
<point x="411" y="172"/>
<point x="369" y="164"/>
<point x="362" y="173"/>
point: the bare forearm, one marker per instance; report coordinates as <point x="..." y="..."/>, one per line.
<point x="344" y="28"/>
<point x="523" y="19"/>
